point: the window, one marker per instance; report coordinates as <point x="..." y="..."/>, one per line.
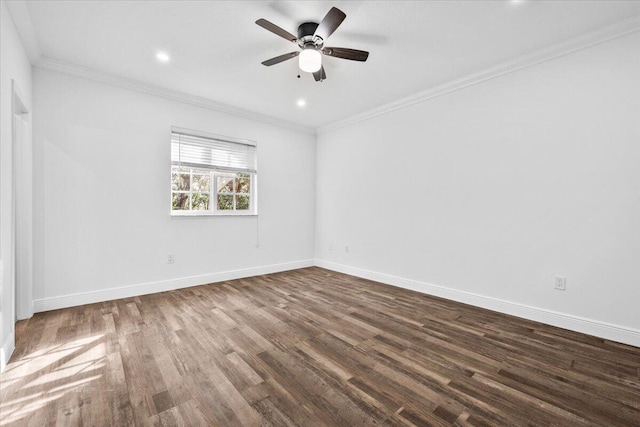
<point x="212" y="175"/>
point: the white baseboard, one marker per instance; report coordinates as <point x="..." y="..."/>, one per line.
<point x="596" y="328"/>
<point x="7" y="350"/>
<point x="71" y="300"/>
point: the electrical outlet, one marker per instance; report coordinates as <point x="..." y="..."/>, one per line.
<point x="170" y="259"/>
<point x="346" y="249"/>
<point x="560" y="283"/>
<point x="331" y="246"/>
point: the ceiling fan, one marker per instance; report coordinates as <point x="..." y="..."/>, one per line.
<point x="310" y="40"/>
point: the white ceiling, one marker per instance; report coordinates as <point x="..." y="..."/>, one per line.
<point x="216" y="48"/>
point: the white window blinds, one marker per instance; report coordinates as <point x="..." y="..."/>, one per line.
<point x="194" y="149"/>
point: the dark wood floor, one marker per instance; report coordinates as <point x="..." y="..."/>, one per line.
<point x="310" y="348"/>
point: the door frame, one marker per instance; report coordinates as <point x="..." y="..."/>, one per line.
<point x="22" y="207"/>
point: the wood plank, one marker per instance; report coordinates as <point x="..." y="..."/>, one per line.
<point x="310" y="347"/>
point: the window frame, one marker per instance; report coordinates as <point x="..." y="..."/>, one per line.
<point x="213" y="196"/>
<point x="214" y="173"/>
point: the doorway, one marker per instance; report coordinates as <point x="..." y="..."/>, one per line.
<point x="16" y="227"/>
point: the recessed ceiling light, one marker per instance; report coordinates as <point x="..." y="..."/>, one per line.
<point x="517" y="1"/>
<point x="162" y="56"/>
<point x="301" y="102"/>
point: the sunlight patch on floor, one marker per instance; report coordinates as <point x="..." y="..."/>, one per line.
<point x="65" y="368"/>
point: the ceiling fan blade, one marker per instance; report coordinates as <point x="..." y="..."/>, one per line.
<point x="276" y="30"/>
<point x="345" y="53"/>
<point x="279" y="59"/>
<point x="331" y="21"/>
<point x="320" y="74"/>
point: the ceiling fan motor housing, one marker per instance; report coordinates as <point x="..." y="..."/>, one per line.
<point x="306" y="31"/>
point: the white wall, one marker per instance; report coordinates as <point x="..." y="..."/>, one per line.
<point x="481" y="195"/>
<point x="14" y="66"/>
<point x="101" y="196"/>
<point x="490" y="191"/>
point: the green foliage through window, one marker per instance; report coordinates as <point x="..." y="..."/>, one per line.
<point x="191" y="190"/>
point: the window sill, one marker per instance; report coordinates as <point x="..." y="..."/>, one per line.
<point x="209" y="214"/>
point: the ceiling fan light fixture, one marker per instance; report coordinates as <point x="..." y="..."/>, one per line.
<point x="310" y="60"/>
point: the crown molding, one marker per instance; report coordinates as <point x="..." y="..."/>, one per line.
<point x="68" y="68"/>
<point x="19" y="12"/>
<point x="602" y="35"/>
